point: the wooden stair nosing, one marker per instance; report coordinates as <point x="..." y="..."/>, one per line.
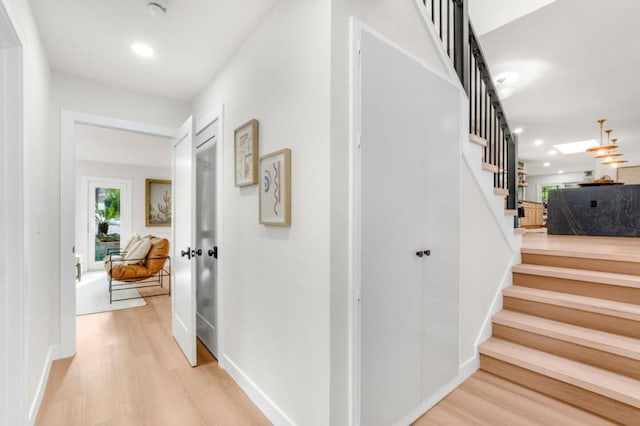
<point x="610" y="278"/>
<point x="477" y="139"/>
<point x="519" y="231"/>
<point x="592" y="379"/>
<point x="576" y="254"/>
<point x="488" y="167"/>
<point x="582" y="303"/>
<point x="501" y="191"/>
<point x="587" y="400"/>
<point x="508" y="212"/>
<point x="606" y="342"/>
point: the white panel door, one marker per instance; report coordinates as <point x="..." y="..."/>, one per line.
<point x="183" y="295"/>
<point x="392" y="223"/>
<point x="207" y="238"/>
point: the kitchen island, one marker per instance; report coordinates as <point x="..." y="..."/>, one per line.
<point x="602" y="210"/>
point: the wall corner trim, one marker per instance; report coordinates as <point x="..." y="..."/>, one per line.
<point x="34" y="408"/>
<point x="257" y="395"/>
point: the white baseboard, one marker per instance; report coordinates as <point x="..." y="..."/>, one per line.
<point x="34" y="408"/>
<point x="268" y="407"/>
<point x="466" y="369"/>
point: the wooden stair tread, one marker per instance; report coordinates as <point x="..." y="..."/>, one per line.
<point x="590" y="304"/>
<point x="599" y="340"/>
<point x="602" y="382"/>
<point x="477" y="139"/>
<point x="610" y="278"/>
<point x="501" y="191"/>
<point x="582" y="253"/>
<point x="519" y="231"/>
<point x="490" y="167"/>
<point x="508" y="212"/>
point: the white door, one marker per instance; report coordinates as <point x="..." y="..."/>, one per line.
<point x="391" y="235"/>
<point x="207" y="238"/>
<point x="409" y="203"/>
<point x="108" y="218"/>
<point x="183" y="294"/>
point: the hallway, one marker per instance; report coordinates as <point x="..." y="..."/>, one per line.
<point x="129" y="371"/>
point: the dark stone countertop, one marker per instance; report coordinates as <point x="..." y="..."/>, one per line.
<point x="606" y="210"/>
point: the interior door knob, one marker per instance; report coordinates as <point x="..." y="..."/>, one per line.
<point x="196" y="252"/>
<point x="186" y="252"/>
<point x="213" y="252"/>
<point x="420" y="253"/>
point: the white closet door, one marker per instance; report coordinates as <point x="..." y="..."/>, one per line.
<point x="391" y="234"/>
<point x="183" y="294"/>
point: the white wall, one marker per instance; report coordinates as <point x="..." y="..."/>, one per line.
<point x="40" y="204"/>
<point x="276" y="280"/>
<point x="533" y="191"/>
<point x="400" y="22"/>
<point x="485" y="264"/>
<point x="137" y="174"/>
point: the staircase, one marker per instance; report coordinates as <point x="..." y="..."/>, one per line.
<point x="570" y="329"/>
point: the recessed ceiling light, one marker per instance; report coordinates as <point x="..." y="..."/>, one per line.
<point x="560" y="171"/>
<point x="142" y="49"/>
<point x="575" y="147"/>
<point x="538" y="142"/>
<point x="553" y="152"/>
<point x="546" y="164"/>
<point x="518" y="130"/>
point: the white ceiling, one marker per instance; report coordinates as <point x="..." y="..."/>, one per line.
<point x="92" y="38"/>
<point x="487" y="15"/>
<point x="577" y="61"/>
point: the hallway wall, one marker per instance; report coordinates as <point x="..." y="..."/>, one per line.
<point x="276" y="280"/>
<point x="40" y="197"/>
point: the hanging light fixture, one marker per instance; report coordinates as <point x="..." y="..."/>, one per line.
<point x="603" y="148"/>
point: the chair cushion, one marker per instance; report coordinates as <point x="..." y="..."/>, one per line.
<point x="157" y="254"/>
<point x="137" y="252"/>
<point x="135" y="272"/>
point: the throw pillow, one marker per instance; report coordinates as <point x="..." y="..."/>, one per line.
<point x="138" y="252"/>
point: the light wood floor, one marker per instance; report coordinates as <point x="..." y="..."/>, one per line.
<point x="129" y="371"/>
<point x="485" y="399"/>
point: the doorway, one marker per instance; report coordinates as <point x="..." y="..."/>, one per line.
<point x="70" y="126"/>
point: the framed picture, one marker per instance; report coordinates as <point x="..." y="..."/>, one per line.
<point x="275" y="188"/>
<point x="246" y="153"/>
<point x="158" y="202"/>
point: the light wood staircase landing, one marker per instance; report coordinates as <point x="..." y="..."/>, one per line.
<point x="570" y="329"/>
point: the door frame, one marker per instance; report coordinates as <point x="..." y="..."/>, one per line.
<point x="68" y="122"/>
<point x="13" y="393"/>
<point x="216" y="115"/>
<point x="85" y="217"/>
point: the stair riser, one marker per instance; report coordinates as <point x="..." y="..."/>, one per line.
<point x="602" y="265"/>
<point x="610" y="324"/>
<point x="584" y="399"/>
<point x="587" y="355"/>
<point x="581" y="288"/>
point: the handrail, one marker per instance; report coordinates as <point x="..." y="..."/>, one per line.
<point x="487" y="118"/>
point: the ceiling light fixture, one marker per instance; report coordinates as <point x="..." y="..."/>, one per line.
<point x="157" y="8"/>
<point x="546" y="164"/>
<point x="142" y="49"/>
<point x="553" y="152"/>
<point x="560" y="171"/>
<point x="518" y="130"/>
<point x="506" y="78"/>
<point x="608" y="146"/>
<point x="538" y="142"/>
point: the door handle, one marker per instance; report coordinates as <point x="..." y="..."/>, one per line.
<point x="213" y="252"/>
<point x="419" y="253"/>
<point x="196" y="252"/>
<point x="187" y="253"/>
